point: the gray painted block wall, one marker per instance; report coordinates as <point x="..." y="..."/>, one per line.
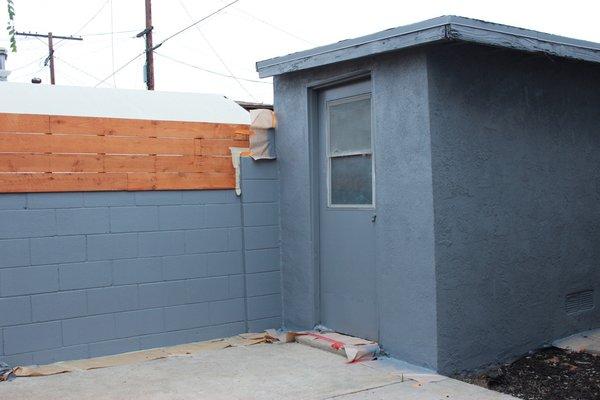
<point x="96" y="273"/>
<point x="404" y="230"/>
<point x="516" y="178"/>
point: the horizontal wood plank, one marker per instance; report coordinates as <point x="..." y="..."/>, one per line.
<point x="55" y="182"/>
<point x="41" y="153"/>
<point x="28" y="123"/>
<point x="199" y="130"/>
<point x="216" y="164"/>
<point x="145" y="128"/>
<point x="217" y="147"/>
<point x="41" y="143"/>
<point x="76" y="163"/>
<point x="128" y="163"/>
<point x="23" y="162"/>
<point x="182" y="180"/>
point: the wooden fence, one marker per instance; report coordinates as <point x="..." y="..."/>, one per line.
<point x="45" y="153"/>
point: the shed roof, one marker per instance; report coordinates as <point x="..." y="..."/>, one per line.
<point x="27" y="98"/>
<point x="441" y="29"/>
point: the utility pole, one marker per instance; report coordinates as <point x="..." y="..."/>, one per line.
<point x="51" y="55"/>
<point x="50" y="38"/>
<point x="149" y="46"/>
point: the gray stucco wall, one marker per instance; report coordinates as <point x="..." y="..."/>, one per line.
<point x="404" y="228"/>
<point x="516" y="173"/>
<point x="90" y="274"/>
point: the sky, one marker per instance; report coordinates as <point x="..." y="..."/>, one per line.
<point x="207" y="57"/>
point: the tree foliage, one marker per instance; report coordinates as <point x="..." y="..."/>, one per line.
<point x="10" y="26"/>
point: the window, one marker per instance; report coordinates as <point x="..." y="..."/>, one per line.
<point x="349" y="152"/>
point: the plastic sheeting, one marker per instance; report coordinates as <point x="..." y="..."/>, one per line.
<point x="262" y="139"/>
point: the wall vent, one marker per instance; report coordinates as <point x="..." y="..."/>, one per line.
<point x="579" y="301"/>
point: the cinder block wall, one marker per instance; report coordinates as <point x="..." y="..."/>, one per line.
<point x="97" y="273"/>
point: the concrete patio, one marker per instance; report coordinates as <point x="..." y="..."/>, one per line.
<point x="263" y="371"/>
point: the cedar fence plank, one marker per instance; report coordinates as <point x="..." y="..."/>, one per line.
<point x="182" y="181"/>
<point x="70" y="125"/>
<point x="129" y="163"/>
<point x="199" y="130"/>
<point x="26" y="123"/>
<point x="217" y="147"/>
<point x="144" y="128"/>
<point x="77" y="144"/>
<point x="57" y="182"/>
<point x="76" y="163"/>
<point x="24" y="162"/>
<point x="24" y="143"/>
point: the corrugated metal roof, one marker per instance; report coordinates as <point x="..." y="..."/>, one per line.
<point x="441" y="29"/>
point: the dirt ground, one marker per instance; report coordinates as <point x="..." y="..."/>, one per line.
<point x="548" y="374"/>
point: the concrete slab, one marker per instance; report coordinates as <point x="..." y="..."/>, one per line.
<point x="445" y="389"/>
<point x="263" y="371"/>
<point x="588" y="341"/>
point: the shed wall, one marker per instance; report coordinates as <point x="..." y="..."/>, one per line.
<point x="404" y="228"/>
<point x="516" y="187"/>
<point x="96" y="273"/>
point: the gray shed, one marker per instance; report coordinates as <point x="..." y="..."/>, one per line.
<point x="440" y="189"/>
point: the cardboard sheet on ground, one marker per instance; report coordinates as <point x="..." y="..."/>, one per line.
<point x="139" y="356"/>
<point x="353" y="348"/>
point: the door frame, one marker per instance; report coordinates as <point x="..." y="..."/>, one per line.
<point x="312" y="90"/>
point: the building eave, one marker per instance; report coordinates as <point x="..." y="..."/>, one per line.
<point x="446" y="28"/>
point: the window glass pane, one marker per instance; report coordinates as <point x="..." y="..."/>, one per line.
<point x="350" y="127"/>
<point x="351" y="180"/>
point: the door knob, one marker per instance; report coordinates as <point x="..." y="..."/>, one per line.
<point x="373" y="217"/>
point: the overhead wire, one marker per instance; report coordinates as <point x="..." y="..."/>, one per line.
<point x="37" y="60"/>
<point x="28" y="74"/>
<point x="109" y="33"/>
<point x="112" y="43"/>
<point x="89" y="21"/>
<point x="278" y="28"/>
<point x="208" y="70"/>
<point x="120" y="69"/>
<point x="76" y="68"/>
<point x="231" y="75"/>
<point x="179" y="32"/>
<point x="165" y="40"/>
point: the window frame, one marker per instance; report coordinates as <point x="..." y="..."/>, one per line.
<point x="344" y="100"/>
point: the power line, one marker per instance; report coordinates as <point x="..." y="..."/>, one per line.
<point x="120" y="68"/>
<point x="29" y="74"/>
<point x="112" y="43"/>
<point x="274" y="26"/>
<point x="165" y="40"/>
<point x="76" y="68"/>
<point x="108" y="33"/>
<point x="208" y="70"/>
<point x="194" y="24"/>
<point x="39" y="59"/>
<point x="89" y="21"/>
<point x="216" y="53"/>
